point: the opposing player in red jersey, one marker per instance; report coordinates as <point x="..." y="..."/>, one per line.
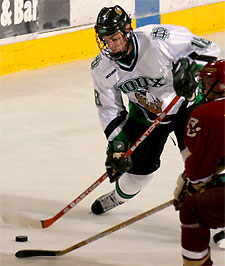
<point x="200" y="192"/>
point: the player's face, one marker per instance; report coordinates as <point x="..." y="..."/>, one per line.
<point x="116" y="42"/>
<point x="207" y="84"/>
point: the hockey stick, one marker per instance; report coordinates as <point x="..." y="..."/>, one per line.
<point x="40" y="252"/>
<point x="202" y="57"/>
<point x="28" y="222"/>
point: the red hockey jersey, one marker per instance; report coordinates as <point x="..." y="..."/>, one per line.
<point x="204" y="139"/>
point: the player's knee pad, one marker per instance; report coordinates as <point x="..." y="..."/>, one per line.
<point x="129" y="185"/>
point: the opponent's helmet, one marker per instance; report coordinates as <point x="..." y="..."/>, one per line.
<point x="214" y="72"/>
<point x="109" y="21"/>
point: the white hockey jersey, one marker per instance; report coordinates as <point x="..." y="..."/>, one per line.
<point x="147" y="81"/>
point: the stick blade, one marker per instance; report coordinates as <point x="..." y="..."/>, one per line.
<point x="26" y="253"/>
<point x="48" y="222"/>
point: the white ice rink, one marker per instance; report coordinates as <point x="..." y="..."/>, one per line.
<point x="53" y="149"/>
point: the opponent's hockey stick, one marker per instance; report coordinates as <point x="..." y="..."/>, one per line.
<point x="40" y="252"/>
<point x="28" y="222"/>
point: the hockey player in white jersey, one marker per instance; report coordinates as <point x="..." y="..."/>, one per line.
<point x="139" y="63"/>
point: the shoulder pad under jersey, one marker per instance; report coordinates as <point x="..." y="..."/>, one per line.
<point x="95" y="63"/>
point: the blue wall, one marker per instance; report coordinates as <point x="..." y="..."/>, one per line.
<point x="147" y="12"/>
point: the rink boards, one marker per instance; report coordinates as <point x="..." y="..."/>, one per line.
<point x="41" y="49"/>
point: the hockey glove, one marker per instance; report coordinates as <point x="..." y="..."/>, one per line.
<point x="184" y="78"/>
<point x="115" y="164"/>
<point x="180" y="191"/>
